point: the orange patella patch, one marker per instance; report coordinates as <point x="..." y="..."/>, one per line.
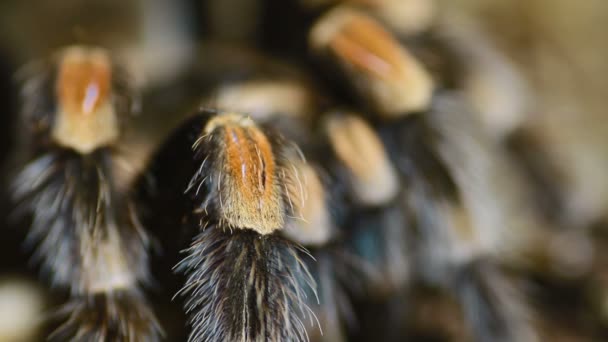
<point x="250" y="196"/>
<point x="83" y="81"/>
<point x="364" y="44"/>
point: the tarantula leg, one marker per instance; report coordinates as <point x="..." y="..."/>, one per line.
<point x="87" y="233"/>
<point x="245" y="282"/>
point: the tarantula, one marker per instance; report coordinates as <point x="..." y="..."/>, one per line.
<point x="322" y="189"/>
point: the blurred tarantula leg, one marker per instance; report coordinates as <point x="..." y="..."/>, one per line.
<point x="87" y="233"/>
<point x="377" y="227"/>
<point x="384" y="74"/>
<point x="494" y="310"/>
<point x="455" y="250"/>
<point x="314" y="226"/>
<point x="492" y="305"/>
<point x="348" y="181"/>
<point x="245" y="282"/>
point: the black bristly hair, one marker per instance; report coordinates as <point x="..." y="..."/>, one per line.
<point x="245" y="287"/>
<point x="65" y="190"/>
<point x="117" y="316"/>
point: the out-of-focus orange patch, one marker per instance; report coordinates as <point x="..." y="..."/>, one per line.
<point x="366" y="45"/>
<point x="83" y="81"/>
<point x="86" y="119"/>
<point x="384" y="71"/>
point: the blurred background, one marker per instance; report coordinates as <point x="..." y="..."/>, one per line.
<point x="553" y="64"/>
